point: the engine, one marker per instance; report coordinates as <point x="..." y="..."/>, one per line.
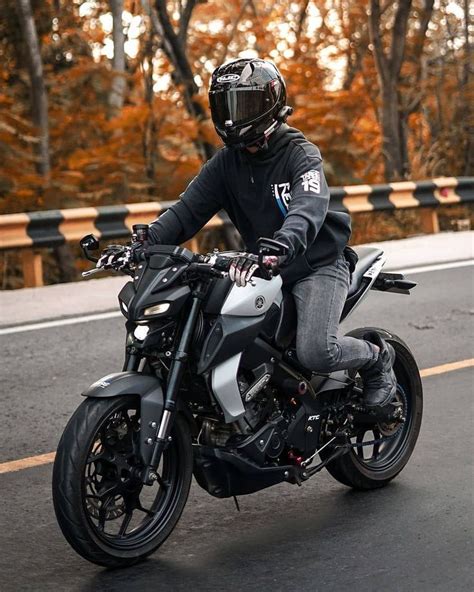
<point x="259" y="434"/>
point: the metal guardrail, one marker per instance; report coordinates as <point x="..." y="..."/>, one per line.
<point x="36" y="230"/>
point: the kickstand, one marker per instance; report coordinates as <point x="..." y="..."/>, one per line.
<point x="236" y="503"/>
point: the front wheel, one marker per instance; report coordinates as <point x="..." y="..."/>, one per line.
<point x="105" y="512"/>
<point x="374" y="466"/>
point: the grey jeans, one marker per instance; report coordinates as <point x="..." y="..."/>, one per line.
<point x="320" y="298"/>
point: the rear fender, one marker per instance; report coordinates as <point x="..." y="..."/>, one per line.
<point x="148" y="388"/>
<point x="368" y="279"/>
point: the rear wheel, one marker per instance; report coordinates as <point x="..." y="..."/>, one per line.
<point x="375" y="465"/>
<point x="104" y="510"/>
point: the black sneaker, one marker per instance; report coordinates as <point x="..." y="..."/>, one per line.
<point x="380" y="382"/>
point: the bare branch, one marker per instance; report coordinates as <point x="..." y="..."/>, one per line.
<point x="223" y="56"/>
<point x="184" y="20"/>
<point x="376" y="40"/>
<point x="175" y="51"/>
<point x="399" y="35"/>
<point x="301" y="20"/>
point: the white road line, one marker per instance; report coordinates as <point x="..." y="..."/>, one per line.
<point x="435" y="267"/>
<point x="61" y="322"/>
<point x="110" y="315"/>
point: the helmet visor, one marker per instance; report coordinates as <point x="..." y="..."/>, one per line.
<point x="239" y="105"/>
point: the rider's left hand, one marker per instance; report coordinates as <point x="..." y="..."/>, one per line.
<point x="243" y="268"/>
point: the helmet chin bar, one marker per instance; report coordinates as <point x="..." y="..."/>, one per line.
<point x="262" y="143"/>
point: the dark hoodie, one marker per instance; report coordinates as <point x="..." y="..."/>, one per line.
<point x="280" y="192"/>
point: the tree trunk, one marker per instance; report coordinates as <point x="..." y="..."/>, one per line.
<point x="391" y="134"/>
<point x="174" y="46"/>
<point x="39" y="98"/>
<point x="117" y="91"/>
<point x="467" y="80"/>
<point x="388" y="72"/>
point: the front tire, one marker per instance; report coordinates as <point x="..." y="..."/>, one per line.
<point x="106" y="514"/>
<point x="354" y="469"/>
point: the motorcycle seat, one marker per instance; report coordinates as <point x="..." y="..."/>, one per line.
<point x="367" y="256"/>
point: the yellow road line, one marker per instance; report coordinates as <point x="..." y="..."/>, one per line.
<point x="27" y="463"/>
<point x="44" y="459"/>
<point x="447" y="367"/>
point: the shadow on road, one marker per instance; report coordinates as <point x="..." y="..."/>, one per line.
<point x="277" y="547"/>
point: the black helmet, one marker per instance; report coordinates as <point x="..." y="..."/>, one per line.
<point x="248" y="101"/>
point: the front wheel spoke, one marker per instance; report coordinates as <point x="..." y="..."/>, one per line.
<point x="142" y="509"/>
<point x="103" y="511"/>
<point x="125" y="523"/>
<point x="102" y="516"/>
<point x="96" y="457"/>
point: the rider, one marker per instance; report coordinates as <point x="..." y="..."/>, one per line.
<point x="269" y="179"/>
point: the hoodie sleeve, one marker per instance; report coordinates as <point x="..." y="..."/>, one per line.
<point x="200" y="201"/>
<point x="309" y="201"/>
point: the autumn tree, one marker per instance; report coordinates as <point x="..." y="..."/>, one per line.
<point x="39" y="99"/>
<point x="389" y="57"/>
<point x="118" y="85"/>
<point x="127" y="91"/>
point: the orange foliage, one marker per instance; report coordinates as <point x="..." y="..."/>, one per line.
<point x="148" y="151"/>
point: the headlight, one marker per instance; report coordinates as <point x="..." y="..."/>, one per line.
<point x="157" y="309"/>
<point x="141" y="331"/>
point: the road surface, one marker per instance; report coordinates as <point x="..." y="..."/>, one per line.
<point x="416" y="534"/>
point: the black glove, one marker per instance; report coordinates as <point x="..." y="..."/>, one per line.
<point x="114" y="257"/>
<point x="242" y="268"/>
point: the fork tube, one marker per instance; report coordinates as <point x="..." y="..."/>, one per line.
<point x="175" y="375"/>
<point x="132" y="361"/>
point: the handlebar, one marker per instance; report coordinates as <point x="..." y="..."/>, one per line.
<point x="124" y="259"/>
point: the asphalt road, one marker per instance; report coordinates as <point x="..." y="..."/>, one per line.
<point x="416" y="534"/>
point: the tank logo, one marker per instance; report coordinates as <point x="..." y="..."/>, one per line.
<point x="259" y="302"/>
<point x="228" y="78"/>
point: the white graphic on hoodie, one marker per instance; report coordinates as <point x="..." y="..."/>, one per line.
<point x="281" y="192"/>
<point x="311" y="181"/>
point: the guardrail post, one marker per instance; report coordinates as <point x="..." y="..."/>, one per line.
<point x="32" y="268"/>
<point x="429" y="220"/>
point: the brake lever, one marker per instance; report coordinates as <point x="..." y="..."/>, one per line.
<point x="92" y="271"/>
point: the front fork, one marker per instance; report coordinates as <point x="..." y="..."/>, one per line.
<point x="178" y="365"/>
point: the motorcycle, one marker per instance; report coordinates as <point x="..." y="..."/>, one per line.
<point x="212" y="387"/>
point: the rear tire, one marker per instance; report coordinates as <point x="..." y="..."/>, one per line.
<point x="358" y="473"/>
<point x="96" y="488"/>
